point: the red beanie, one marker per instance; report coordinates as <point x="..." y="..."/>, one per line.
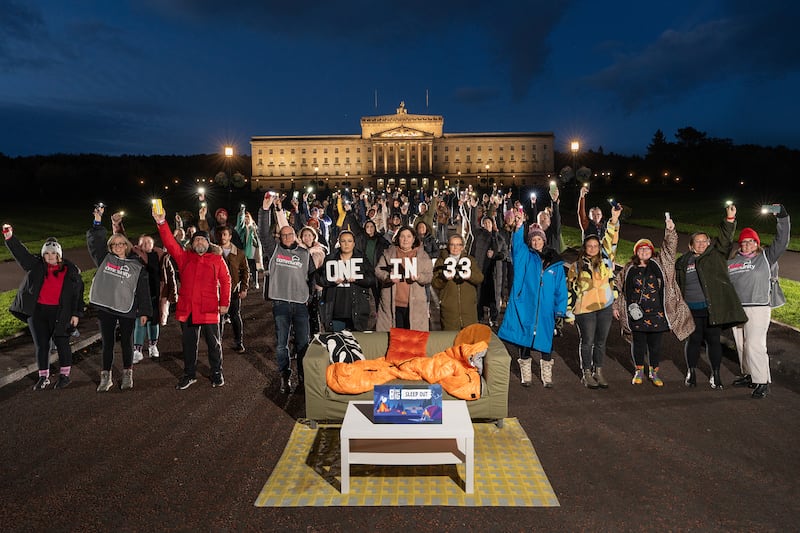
<point x="749" y="233"/>
<point x="221" y="210"/>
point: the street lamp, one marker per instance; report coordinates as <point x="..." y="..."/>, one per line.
<point x="575" y="146"/>
<point x="316" y="174"/>
<point x="487" y="174"/>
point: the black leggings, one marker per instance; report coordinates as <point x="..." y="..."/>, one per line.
<point x="108" y="325"/>
<point x="525" y="353"/>
<point x="703" y="332"/>
<point x="644" y="343"/>
<point x="402" y="319"/>
<point x="42" y="324"/>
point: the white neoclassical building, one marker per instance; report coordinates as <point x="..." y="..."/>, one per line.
<point x="402" y="150"/>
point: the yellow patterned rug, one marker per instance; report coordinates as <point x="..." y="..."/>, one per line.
<point x="507" y="474"/>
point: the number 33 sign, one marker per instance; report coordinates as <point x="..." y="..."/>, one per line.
<point x="460" y="266"/>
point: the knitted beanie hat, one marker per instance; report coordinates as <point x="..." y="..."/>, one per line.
<point x="221" y="210"/>
<point x="643" y="243"/>
<point x="536" y="230"/>
<point x="749" y="233"/>
<point x="52" y="245"/>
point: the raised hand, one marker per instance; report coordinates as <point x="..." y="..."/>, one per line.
<point x="8" y="231"/>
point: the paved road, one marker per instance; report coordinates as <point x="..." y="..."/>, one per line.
<point x="627" y="458"/>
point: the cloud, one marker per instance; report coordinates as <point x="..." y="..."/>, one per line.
<point x="750" y="42"/>
<point x="516" y="31"/>
<point x="22" y="34"/>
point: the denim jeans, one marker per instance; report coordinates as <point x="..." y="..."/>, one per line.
<point x="290" y="315"/>
<point x="593" y="331"/>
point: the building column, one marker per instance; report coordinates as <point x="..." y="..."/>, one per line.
<point x="419" y="158"/>
<point x="374" y="158"/>
<point x="397" y="158"/>
<point x="430" y="157"/>
<point x="385" y="159"/>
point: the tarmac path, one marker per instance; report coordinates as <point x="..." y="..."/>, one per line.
<point x="625" y="458"/>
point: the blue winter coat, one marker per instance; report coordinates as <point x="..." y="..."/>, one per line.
<point x="538" y="296"/>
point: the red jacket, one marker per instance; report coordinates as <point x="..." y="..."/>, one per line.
<point x="205" y="281"/>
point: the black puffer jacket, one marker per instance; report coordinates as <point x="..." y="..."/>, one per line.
<point x="71" y="301"/>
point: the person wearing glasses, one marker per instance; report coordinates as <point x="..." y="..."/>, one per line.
<point x="290" y="270"/>
<point x="753" y="270"/>
<point x="204" y="295"/>
<point x="121" y="293"/>
<point x="702" y="275"/>
<point x="456" y="278"/>
<point x="50" y="300"/>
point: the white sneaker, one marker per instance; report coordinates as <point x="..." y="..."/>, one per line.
<point x="137" y="356"/>
<point x="154" y="352"/>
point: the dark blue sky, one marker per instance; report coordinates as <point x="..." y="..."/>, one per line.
<point x="186" y="77"/>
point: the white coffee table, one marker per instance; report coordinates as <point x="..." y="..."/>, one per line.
<point x="451" y="442"/>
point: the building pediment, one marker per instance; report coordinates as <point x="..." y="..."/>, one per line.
<point x="402" y="132"/>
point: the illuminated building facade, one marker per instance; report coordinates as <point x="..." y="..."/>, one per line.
<point x="402" y="150"/>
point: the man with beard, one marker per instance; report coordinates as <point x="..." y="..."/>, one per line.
<point x="203" y="275"/>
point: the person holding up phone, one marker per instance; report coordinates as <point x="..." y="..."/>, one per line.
<point x="703" y="278"/>
<point x="590" y="281"/>
<point x="50" y="300"/>
<point x="650" y="303"/>
<point x="753" y="270"/>
<point x="591" y="223"/>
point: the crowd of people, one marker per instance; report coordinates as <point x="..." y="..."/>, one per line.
<point x="362" y="261"/>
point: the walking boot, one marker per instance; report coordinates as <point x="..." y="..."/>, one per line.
<point x="525" y="373"/>
<point x="743" y="381"/>
<point x="691" y="378"/>
<point x="127" y="379"/>
<point x="653" y="375"/>
<point x="588" y="380"/>
<point x="760" y="391"/>
<point x="715" y="381"/>
<point x="638" y="376"/>
<point x="106" y="381"/>
<point x="600" y="378"/>
<point x="547" y="373"/>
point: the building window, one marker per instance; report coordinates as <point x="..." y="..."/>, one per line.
<point x="467" y="148"/>
<point x="260" y="162"/>
<point x="336" y="150"/>
<point x="281" y="151"/>
<point x="347" y="160"/>
<point x="468" y="158"/>
<point x="315" y="160"/>
<point x="347" y="150"/>
<point x="335" y="160"/>
<point x="259" y="151"/>
<point x="324" y="150"/>
<point x="446" y="158"/>
<point x="511" y="147"/>
<point x="522" y="147"/>
<point x="325" y="161"/>
<point x="292" y="150"/>
<point x="270" y="151"/>
<point x="304" y="160"/>
<point x="313" y="150"/>
<point x="303" y="151"/>
<point x="457" y="148"/>
<point x="446" y="148"/>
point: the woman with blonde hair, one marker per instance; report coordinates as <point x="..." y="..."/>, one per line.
<point x="120" y="292"/>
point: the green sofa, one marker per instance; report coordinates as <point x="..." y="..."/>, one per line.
<point x="325" y="406"/>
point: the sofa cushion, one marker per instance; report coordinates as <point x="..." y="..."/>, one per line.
<point x="405" y="344"/>
<point x="342" y="346"/>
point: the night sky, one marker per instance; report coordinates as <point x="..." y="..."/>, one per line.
<point x="186" y="77"/>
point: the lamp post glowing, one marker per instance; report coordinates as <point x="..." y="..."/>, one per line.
<point x="229" y="151"/>
<point x="575" y="146"/>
